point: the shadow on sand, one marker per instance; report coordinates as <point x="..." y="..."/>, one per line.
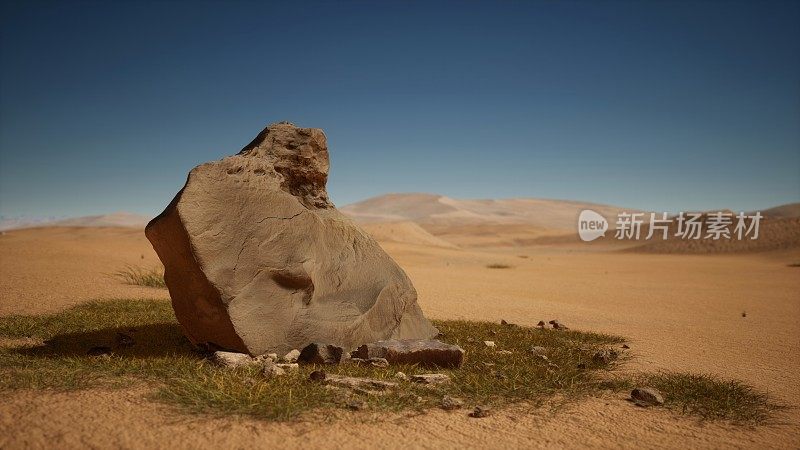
<point x="142" y="341"/>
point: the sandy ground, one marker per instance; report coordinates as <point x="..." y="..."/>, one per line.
<point x="680" y="312"/>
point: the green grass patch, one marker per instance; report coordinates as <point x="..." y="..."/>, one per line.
<point x="713" y="398"/>
<point x="153" y="277"/>
<point x="54" y="356"/>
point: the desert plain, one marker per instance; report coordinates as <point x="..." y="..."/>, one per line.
<point x="735" y="314"/>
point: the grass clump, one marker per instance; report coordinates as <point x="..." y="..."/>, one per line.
<point x="147" y="346"/>
<point x="140" y="276"/>
<point x="712" y="398"/>
<point x="498" y="266"/>
<point x="183" y="375"/>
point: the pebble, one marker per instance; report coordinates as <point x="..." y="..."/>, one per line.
<point x="647" y="396"/>
<point x="480" y="412"/>
<point x="450" y="403"/>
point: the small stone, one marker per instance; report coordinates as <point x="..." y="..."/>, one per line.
<point x="431" y="378"/>
<point x="264" y="359"/>
<point x="272" y="370"/>
<point x="428" y="353"/>
<point x="503" y="322"/>
<point x="289" y="367"/>
<point x="480" y="412"/>
<point x="504" y="352"/>
<point x="378" y="362"/>
<point x="368" y="384"/>
<point x="647" y="396"/>
<point x="625" y="346"/>
<point x="537" y="350"/>
<point x="401" y="376"/>
<point x="316" y="353"/>
<point x="744" y="314"/>
<point x="99" y="350"/>
<point x="541" y="324"/>
<point x="488" y="364"/>
<point x="317" y="375"/>
<point x="356" y="405"/>
<point x="374" y="362"/>
<point x="605" y="356"/>
<point x="450" y="403"/>
<point x="291" y="356"/>
<point x="489" y="344"/>
<point x="557" y="325"/>
<point x="272" y="356"/>
<point x="232" y="359"/>
<point x="492" y="333"/>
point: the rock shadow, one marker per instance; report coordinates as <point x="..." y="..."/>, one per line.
<point x="142" y="341"/>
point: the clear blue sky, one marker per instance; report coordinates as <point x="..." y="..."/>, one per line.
<point x="105" y="106"/>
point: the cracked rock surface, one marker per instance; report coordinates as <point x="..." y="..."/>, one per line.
<point x="258" y="260"/>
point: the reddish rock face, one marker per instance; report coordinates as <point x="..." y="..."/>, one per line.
<point x="257" y="259"/>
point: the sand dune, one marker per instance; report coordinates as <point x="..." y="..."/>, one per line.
<point x="404" y="232"/>
<point x="791" y="210"/>
<point x="118" y="219"/>
<point x="775" y="233"/>
<point x="439" y="210"/>
<point x="537" y="222"/>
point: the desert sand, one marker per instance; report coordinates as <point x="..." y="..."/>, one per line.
<point x="680" y="312"/>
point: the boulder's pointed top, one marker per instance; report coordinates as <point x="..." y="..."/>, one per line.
<point x="299" y="155"/>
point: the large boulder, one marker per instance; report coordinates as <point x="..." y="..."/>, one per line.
<point x="257" y="259"/>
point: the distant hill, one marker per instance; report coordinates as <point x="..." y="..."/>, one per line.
<point x="118" y="219"/>
<point x="435" y="211"/>
<point x="790" y="210"/>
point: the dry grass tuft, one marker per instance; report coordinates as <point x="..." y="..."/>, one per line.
<point x="139" y="276"/>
